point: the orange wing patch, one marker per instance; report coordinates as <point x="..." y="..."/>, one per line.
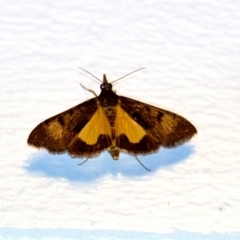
<point x="97" y="125"/>
<point x="125" y="125"/>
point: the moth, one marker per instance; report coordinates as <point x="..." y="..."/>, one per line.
<point x="113" y="123"/>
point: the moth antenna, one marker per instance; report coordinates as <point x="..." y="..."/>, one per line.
<point x="90" y="74"/>
<point x="83" y="162"/>
<point x="143" y="165"/>
<point x="128" y="74"/>
<point x="89" y="90"/>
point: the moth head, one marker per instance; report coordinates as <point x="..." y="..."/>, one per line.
<point x="105" y="86"/>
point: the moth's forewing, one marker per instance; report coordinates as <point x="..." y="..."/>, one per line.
<point x="162" y="128"/>
<point x="61" y="132"/>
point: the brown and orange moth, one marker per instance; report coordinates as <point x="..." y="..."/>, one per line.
<point x="113" y="123"/>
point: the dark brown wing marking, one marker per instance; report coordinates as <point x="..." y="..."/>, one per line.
<point x="79" y="148"/>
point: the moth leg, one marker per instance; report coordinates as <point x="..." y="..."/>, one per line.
<point x="83" y="162"/>
<point x="142" y="164"/>
<point x="89" y="90"/>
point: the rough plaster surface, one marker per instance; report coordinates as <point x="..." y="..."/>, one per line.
<point x="191" y="51"/>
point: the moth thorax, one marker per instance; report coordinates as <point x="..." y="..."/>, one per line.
<point x="114" y="152"/>
<point x="110" y="113"/>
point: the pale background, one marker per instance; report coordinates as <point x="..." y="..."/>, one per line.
<point x="191" y="51"/>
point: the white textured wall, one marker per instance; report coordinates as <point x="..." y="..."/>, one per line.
<point x="191" y="51"/>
